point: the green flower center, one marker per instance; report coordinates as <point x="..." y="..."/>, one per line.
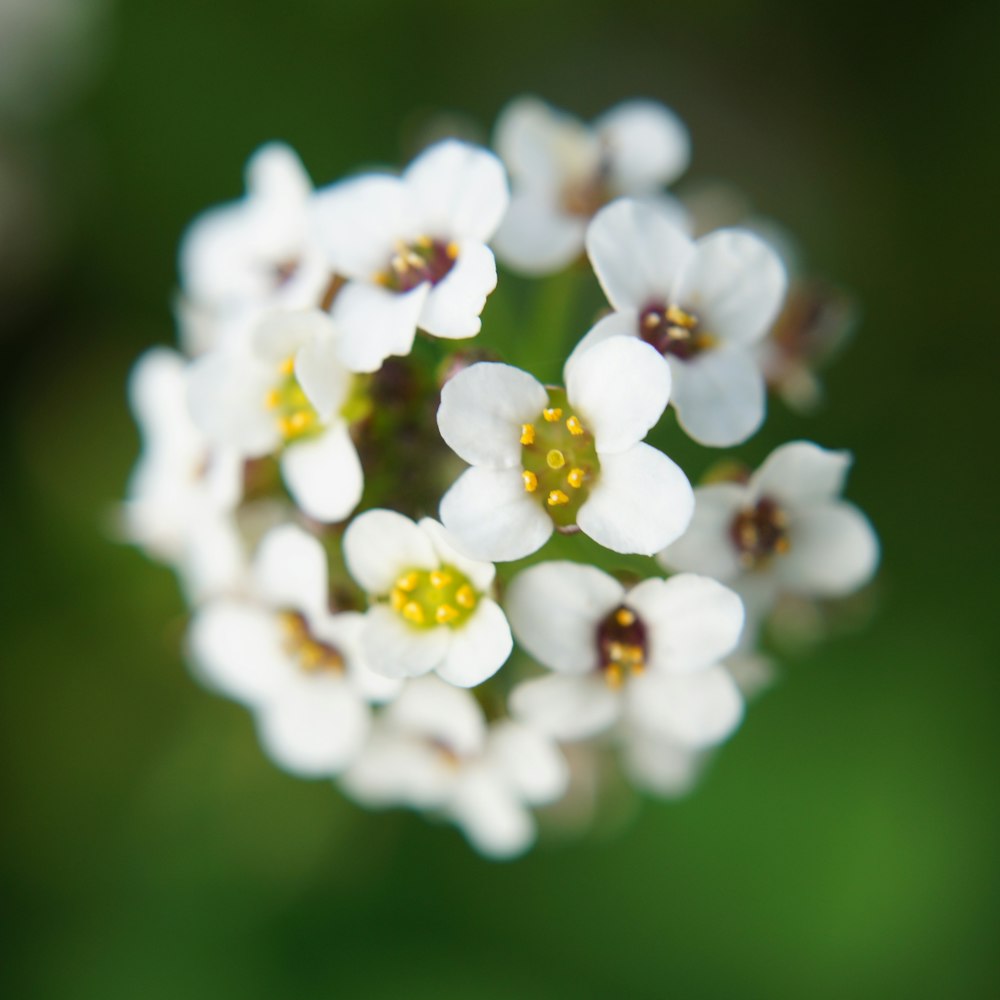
<point x="427" y="598"/>
<point x="295" y="416"/>
<point x="559" y="459"/>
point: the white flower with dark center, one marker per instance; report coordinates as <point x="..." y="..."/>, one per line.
<point x="256" y="253"/>
<point x="283" y="391"/>
<point x="296" y="665"/>
<point x="547" y="458"/>
<point x="430" y="604"/>
<point x="413" y="249"/>
<point x="785" y="531"/>
<point x="647" y="657"/>
<point x="182" y="493"/>
<point x="563" y="171"/>
<point x="433" y="750"/>
<point x="702" y="305"/>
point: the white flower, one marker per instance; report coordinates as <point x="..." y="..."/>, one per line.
<point x="547" y="457"/>
<point x="413" y="249"/>
<point x="660" y="766"/>
<point x="562" y="171"/>
<point x="181" y="494"/>
<point x="646" y="657"/>
<point x="702" y="305"/>
<point x="288" y="658"/>
<point x="283" y="389"/>
<point x="433" y="750"/>
<point x="430" y="606"/>
<point x="785" y="531"/>
<point x="257" y="253"/>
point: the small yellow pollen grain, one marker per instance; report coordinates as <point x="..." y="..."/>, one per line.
<point x="465" y="597"/>
<point x="552" y="414"/>
<point x="677" y="315"/>
<point x="527" y="434"/>
<point x="424" y="242"/>
<point x="287" y="366"/>
<point x="398" y="599"/>
<point x="286" y="426"/>
<point x="530" y="481"/>
<point x="300" y="420"/>
<point x="413" y="612"/>
<point x="273" y="399"/>
<point x="624" y="617"/>
<point x="576" y="478"/>
<point x="574" y="426"/>
<point x="408" y="581"/>
<point x="555" y="459"/>
<point x="556" y="498"/>
<point x="652" y="319"/>
<point x="614" y="676"/>
<point x="452" y="250"/>
<point x="310" y="653"/>
<point x="445" y="614"/>
<point x="439" y="579"/>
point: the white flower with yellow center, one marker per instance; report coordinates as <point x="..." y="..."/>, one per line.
<point x="647" y="657"/>
<point x="433" y="750"/>
<point x="430" y="604"/>
<point x="182" y="493"/>
<point x="563" y="171"/>
<point x="283" y="391"/>
<point x="702" y="305"/>
<point x="295" y="664"/>
<point x="413" y="249"/>
<point x="785" y="531"/>
<point x="547" y="458"/>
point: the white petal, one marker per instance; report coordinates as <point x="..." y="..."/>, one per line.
<point x="691" y="621"/>
<point x="719" y="396"/>
<point x="237" y="649"/>
<point x="481" y="574"/>
<point x="528" y="135"/>
<point x="536" y="237"/>
<point x="479" y="648"/>
<point x="619" y="389"/>
<point x="453" y="305"/>
<point x="495" y="822"/>
<point x="395" y="648"/>
<point x="492" y="517"/>
<point x="834" y="550"/>
<point x="695" y="710"/>
<point x="706" y="546"/>
<point x="400" y="770"/>
<point x="457" y="190"/>
<point x="324" y="474"/>
<point x="641" y="503"/>
<point x="801" y="473"/>
<point x="320" y="373"/>
<point x="439" y="713"/>
<point x="648" y="145"/>
<point x="315" y="729"/>
<point x="482" y="409"/>
<point x="555" y="608"/>
<point x="615" y="324"/>
<point x="379" y="545"/>
<point x="564" y="707"/>
<point x="661" y="766"/>
<point x="290" y="570"/>
<point x="638" y="252"/>
<point x="279" y="335"/>
<point x="734" y="283"/>
<point x="375" y="322"/>
<point x="530" y="763"/>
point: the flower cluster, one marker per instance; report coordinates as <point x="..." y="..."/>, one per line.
<point x="478" y="643"/>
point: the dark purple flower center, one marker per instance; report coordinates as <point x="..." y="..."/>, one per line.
<point x="622" y="645"/>
<point x="423" y="260"/>
<point x="759" y="533"/>
<point x="672" y="330"/>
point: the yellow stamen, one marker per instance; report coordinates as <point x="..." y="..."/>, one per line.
<point x="527" y="434"/>
<point x="439" y="579"/>
<point x="445" y="613"/>
<point x="652" y="319"/>
<point x="273" y="399"/>
<point x="288" y="366"/>
<point x="624" y="617"/>
<point x="408" y="581"/>
<point x="424" y="242"/>
<point x="310" y="654"/>
<point x="614" y="676"/>
<point x="413" y="612"/>
<point x="530" y="481"/>
<point x="398" y="599"/>
<point x="557" y="497"/>
<point x="286" y="426"/>
<point x="555" y="459"/>
<point x="576" y="478"/>
<point x="574" y="426"/>
<point x="552" y="415"/>
<point x="677" y="315"/>
<point x="465" y="597"/>
<point x="452" y="250"/>
<point x="300" y="420"/>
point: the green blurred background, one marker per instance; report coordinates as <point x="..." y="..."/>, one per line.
<point x="845" y="842"/>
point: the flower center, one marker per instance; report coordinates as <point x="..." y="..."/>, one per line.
<point x="442" y="596"/>
<point x="622" y="646"/>
<point x="312" y="655"/>
<point x="425" y="259"/>
<point x="759" y="533"/>
<point x="295" y="415"/>
<point x="584" y="196"/>
<point x="559" y="459"/>
<point x="672" y="330"/>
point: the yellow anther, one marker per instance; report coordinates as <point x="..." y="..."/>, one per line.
<point x="413" y="612"/>
<point x="556" y="498"/>
<point x="574" y="426"/>
<point x="310" y="654"/>
<point x="555" y="459"/>
<point x="624" y="617"/>
<point x="300" y="420"/>
<point x="286" y="426"/>
<point x="439" y="579"/>
<point x="527" y="433"/>
<point x="273" y="399"/>
<point x="576" y="478"/>
<point x="614" y="675"/>
<point x="288" y="366"/>
<point x="408" y="581"/>
<point x="292" y="623"/>
<point x="552" y="414"/>
<point x="530" y="481"/>
<point x="397" y="599"/>
<point x="445" y="614"/>
<point x="681" y="318"/>
<point x="652" y="319"/>
<point x="424" y="242"/>
<point x="452" y="250"/>
<point x="616" y="651"/>
<point x="465" y="597"/>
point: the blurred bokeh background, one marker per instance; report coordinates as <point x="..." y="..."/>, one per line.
<point x="844" y="843"/>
